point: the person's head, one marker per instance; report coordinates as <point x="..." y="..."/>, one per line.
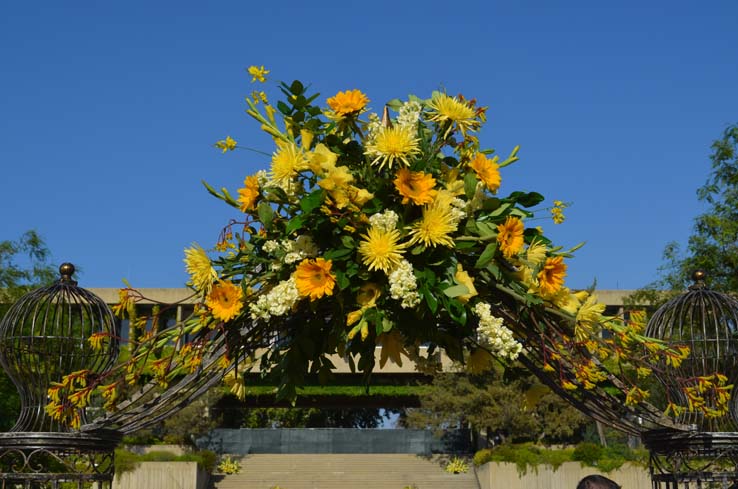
<point x="597" y="482"/>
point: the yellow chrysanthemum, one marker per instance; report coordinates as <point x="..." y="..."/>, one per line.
<point x="435" y="227"/>
<point x="488" y="171"/>
<point x="551" y="277"/>
<point x="348" y="102"/>
<point x="380" y="249"/>
<point x="510" y="236"/>
<point x="450" y="109"/>
<point x="197" y="264"/>
<point x="393" y="144"/>
<point x="249" y="193"/>
<point x="416" y="186"/>
<point x="313" y="278"/>
<point x="286" y="162"/>
<point x="536" y="252"/>
<point x="225" y="300"/>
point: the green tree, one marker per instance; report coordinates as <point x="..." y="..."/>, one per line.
<point x="713" y="245"/>
<point x="24" y="265"/>
<point x="519" y="409"/>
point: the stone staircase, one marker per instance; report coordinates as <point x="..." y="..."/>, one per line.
<point x="344" y="471"/>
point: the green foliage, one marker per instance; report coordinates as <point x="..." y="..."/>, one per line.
<point x="126" y="461"/>
<point x="525" y="456"/>
<point x="516" y="408"/>
<point x="24" y="265"/>
<point x="713" y="245"/>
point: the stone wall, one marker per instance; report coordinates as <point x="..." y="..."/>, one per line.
<point x="496" y="475"/>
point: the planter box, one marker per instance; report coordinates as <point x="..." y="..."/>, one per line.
<point x="496" y="475"/>
<point x="163" y="475"/>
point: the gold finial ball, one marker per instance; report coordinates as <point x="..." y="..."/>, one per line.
<point x="66" y="270"/>
<point x="699" y="275"/>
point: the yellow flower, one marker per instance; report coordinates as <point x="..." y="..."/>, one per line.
<point x="359" y="196"/>
<point x="380" y="249"/>
<point x="510" y="236"/>
<point x="322" y="159"/>
<point x="197" y="264"/>
<point x="536" y="252"/>
<point x="258" y="73"/>
<point x="416" y="186"/>
<point x="314" y="278"/>
<point x="393" y="144"/>
<point x="348" y="102"/>
<point x="435" y="227"/>
<point x="225" y="300"/>
<point x="96" y="340"/>
<point x="287" y="161"/>
<point x="462" y="277"/>
<point x="487" y="170"/>
<point x="551" y="277"/>
<point x="227" y="144"/>
<point x="450" y="109"/>
<point x="337" y="178"/>
<point x="368" y="294"/>
<point x="248" y="195"/>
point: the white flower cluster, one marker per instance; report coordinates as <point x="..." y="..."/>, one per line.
<point x="409" y="114"/>
<point x="276" y="302"/>
<point x="386" y="221"/>
<point x="403" y="286"/>
<point x="294" y="251"/>
<point x="372" y="127"/>
<point x="494" y="334"/>
<point x="458" y="210"/>
<point x="262" y="177"/>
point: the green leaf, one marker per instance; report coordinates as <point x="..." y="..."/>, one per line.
<point x="387" y="325"/>
<point x="266" y="214"/>
<point x="430" y="299"/>
<point x="312" y="201"/>
<point x="337" y="254"/>
<point x="486" y="230"/>
<point x="297" y="87"/>
<point x="456" y="290"/>
<point x="526" y="199"/>
<point x="487" y="255"/>
<point x="342" y="280"/>
<point x="348" y="242"/>
<point x="284" y="108"/>
<point x="470" y="185"/>
<point x="417" y="250"/>
<point x="294" y="224"/>
<point x="501" y="209"/>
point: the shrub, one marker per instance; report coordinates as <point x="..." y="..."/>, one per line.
<point x="457" y="466"/>
<point x="126" y="461"/>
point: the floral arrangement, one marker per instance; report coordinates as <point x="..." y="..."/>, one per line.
<point x="394" y="229"/>
<point x="229" y="466"/>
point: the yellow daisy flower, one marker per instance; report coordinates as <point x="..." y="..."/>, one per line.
<point x="435" y="227"/>
<point x="197" y="264"/>
<point x="510" y="236"/>
<point x="225" y="300"/>
<point x="393" y="144"/>
<point x="380" y="249"/>
<point x="286" y="162"/>
<point x="348" y="102"/>
<point x="551" y="277"/>
<point x="313" y="278"/>
<point x="248" y="195"/>
<point x="487" y="171"/>
<point x="416" y="186"/>
<point x="450" y="109"/>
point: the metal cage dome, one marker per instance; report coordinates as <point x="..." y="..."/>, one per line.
<point x="707" y="322"/>
<point x="44" y="336"/>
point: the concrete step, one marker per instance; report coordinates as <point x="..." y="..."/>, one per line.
<point x="344" y="471"/>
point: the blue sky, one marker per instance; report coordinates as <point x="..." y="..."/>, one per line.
<point x="109" y="111"/>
